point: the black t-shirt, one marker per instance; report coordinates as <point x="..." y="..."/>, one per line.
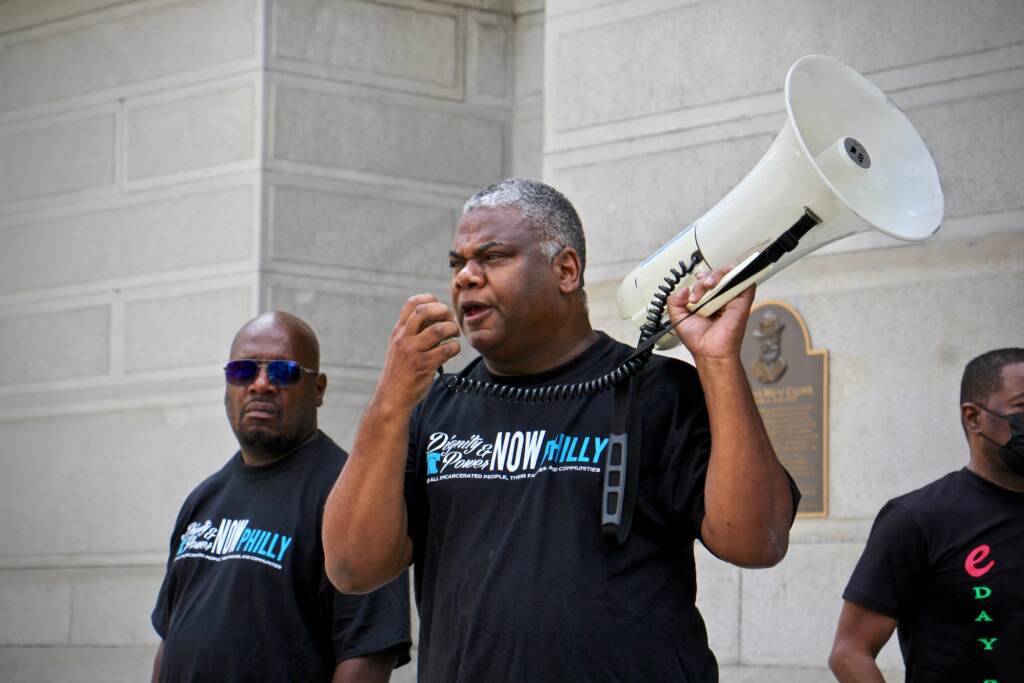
<point x="514" y="580"/>
<point x="246" y="597"/>
<point x="947" y="562"/>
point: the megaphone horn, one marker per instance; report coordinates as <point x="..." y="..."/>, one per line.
<point x="847" y="160"/>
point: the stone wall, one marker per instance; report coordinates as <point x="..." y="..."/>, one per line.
<point x="129" y="213"/>
<point x="169" y="168"/>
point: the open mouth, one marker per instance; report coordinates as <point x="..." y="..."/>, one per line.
<point x="473" y="311"/>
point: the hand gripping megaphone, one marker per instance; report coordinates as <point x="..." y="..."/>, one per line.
<point x="847" y="160"/>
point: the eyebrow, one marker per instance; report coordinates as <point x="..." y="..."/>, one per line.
<point x="479" y="250"/>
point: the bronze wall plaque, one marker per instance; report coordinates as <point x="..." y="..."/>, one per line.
<point x="790" y="384"/>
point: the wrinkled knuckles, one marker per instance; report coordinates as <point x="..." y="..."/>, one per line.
<point x="451" y="349"/>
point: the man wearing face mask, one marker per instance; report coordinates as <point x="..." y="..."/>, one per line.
<point x="944" y="565"/>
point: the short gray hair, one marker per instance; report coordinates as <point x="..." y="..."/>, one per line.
<point x="547" y="210"/>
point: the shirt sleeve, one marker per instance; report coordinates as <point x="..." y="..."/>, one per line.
<point x="891" y="568"/>
<point x="376" y="622"/>
<point x="161" y="615"/>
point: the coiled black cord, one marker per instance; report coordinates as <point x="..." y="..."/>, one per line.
<point x="562" y="392"/>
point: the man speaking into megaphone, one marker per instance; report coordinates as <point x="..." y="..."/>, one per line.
<point x="494" y="501"/>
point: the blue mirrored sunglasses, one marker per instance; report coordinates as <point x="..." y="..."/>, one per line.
<point x="280" y="373"/>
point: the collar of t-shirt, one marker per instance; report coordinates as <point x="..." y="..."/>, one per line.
<point x="992" y="489"/>
<point x="238" y="467"/>
<point x="574" y="367"/>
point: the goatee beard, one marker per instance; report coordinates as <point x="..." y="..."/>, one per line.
<point x="266" y="443"/>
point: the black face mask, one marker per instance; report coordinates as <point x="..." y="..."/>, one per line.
<point x="1011" y="452"/>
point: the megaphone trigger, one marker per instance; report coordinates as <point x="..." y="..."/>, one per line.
<point x="730" y="283"/>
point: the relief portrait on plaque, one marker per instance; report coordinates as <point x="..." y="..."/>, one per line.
<point x="789" y="381"/>
<point x="770" y="365"/>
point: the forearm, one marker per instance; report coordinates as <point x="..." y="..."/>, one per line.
<point x="747" y="500"/>
<point x="860" y="635"/>
<point x="366" y="542"/>
<point x="854" y="667"/>
<point x="375" y="668"/>
<point x="155" y="676"/>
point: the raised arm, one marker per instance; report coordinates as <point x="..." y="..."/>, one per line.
<point x="860" y="635"/>
<point x="365" y="536"/>
<point x="748" y="506"/>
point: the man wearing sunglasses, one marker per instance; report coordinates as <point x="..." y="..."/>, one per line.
<point x="245" y="596"/>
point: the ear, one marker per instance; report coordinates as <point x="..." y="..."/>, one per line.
<point x="971" y="416"/>
<point x="570" y="273"/>
<point x="321" y="387"/>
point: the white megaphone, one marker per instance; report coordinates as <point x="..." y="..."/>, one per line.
<point x="846" y="161"/>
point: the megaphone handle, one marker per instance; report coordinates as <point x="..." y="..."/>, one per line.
<point x="756" y="266"/>
<point x="746" y="272"/>
<point x="714" y="299"/>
